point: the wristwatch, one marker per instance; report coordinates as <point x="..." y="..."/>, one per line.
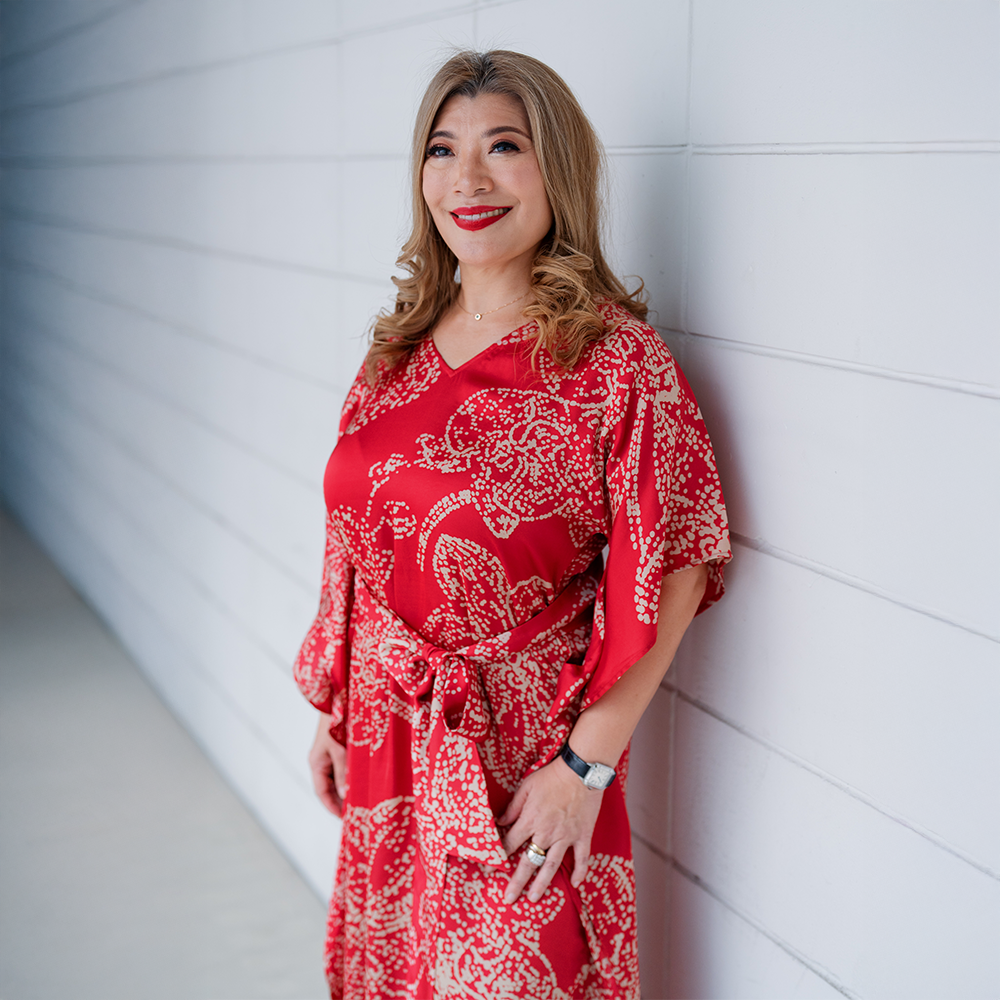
<point x="595" y="776"/>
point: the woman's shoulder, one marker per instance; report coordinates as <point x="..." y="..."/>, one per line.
<point x="631" y="363"/>
<point x="630" y="342"/>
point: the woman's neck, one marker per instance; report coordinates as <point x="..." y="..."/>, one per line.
<point x="487" y="289"/>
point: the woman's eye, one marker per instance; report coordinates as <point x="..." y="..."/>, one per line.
<point x="436" y="151"/>
<point x="505" y="146"/>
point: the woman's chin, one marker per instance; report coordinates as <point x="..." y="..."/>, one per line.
<point x="485" y="255"/>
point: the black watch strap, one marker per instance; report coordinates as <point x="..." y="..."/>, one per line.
<point x="595" y="776"/>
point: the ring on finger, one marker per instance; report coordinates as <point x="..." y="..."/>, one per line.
<point x="535" y="854"/>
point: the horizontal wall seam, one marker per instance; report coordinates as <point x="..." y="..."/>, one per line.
<point x="903" y="147"/>
<point x="412" y="21"/>
<point x="830" y="779"/>
<point x="71" y="31"/>
<point x="128" y="380"/>
<point x="26" y="161"/>
<point x="857" y="367"/>
<point x="737" y="911"/>
<point x="196" y="663"/>
<point x="190" y="332"/>
<point x="212" y="65"/>
<point x="125" y="448"/>
<point x="187" y="246"/>
<point x="210" y="597"/>
<point x="22" y="161"/>
<point x="759" y="545"/>
<point x="808" y="148"/>
<point x="666" y="149"/>
<point x="148" y="79"/>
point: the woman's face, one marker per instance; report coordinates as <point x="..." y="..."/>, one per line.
<point x="482" y="183"/>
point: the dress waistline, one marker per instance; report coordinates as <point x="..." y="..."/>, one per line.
<point x="420" y="668"/>
<point x="451" y="799"/>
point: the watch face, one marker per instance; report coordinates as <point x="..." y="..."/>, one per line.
<point x="599" y="776"/>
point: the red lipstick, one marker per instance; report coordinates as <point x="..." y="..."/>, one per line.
<point x="479" y="216"/>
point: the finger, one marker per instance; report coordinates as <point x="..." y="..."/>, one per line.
<point x="338" y="757"/>
<point x="517" y="835"/>
<point x="333" y="802"/>
<point x="581" y="862"/>
<point x="325" y="789"/>
<point x="521" y="877"/>
<point x="514" y="807"/>
<point x="545" y="874"/>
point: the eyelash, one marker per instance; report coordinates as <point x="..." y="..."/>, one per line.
<point x="432" y="151"/>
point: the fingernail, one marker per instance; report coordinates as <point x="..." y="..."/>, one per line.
<point x="508" y="898"/>
<point x="535" y="897"/>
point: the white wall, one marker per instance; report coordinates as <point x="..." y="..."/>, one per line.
<point x="203" y="200"/>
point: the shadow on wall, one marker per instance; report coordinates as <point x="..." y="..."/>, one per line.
<point x="667" y="756"/>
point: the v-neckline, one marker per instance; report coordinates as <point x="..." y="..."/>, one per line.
<point x="445" y="367"/>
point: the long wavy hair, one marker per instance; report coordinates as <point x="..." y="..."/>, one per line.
<point x="569" y="273"/>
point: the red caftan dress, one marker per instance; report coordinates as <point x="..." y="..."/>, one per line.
<point x="467" y="617"/>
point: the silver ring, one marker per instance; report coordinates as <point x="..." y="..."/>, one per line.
<point x="535" y="855"/>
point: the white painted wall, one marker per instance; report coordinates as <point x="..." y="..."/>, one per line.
<point x="202" y="204"/>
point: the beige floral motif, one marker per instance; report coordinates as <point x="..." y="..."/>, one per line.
<point x="521" y="690"/>
<point x="374" y="699"/>
<point x="608" y="898"/>
<point x="530" y="456"/>
<point x="508" y="959"/>
<point x="479" y="595"/>
<point x="365" y="531"/>
<point x="505" y="960"/>
<point x="327" y="637"/>
<point x="392" y="389"/>
<point x="370" y="923"/>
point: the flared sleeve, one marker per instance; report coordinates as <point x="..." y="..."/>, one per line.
<point x="664" y="506"/>
<point x="321" y="667"/>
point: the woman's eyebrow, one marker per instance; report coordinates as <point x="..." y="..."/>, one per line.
<point x="505" y="128"/>
<point x="442" y="134"/>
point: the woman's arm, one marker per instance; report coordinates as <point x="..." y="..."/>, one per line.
<point x="553" y="807"/>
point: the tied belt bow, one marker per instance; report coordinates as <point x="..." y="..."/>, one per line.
<point x="451" y="801"/>
<point x="454" y="678"/>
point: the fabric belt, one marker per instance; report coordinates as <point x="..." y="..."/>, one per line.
<point x="452" y="806"/>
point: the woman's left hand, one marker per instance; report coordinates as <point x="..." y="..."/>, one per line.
<point x="553" y="809"/>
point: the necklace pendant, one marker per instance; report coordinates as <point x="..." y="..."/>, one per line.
<point x="479" y="315"/>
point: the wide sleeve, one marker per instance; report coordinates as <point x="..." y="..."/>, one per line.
<point x="321" y="668"/>
<point x="664" y="507"/>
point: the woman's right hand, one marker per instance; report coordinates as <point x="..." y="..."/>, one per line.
<point x="328" y="763"/>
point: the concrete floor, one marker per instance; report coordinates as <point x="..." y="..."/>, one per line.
<point x="128" y="869"/>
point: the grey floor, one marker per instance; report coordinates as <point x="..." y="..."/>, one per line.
<point x="128" y="869"/>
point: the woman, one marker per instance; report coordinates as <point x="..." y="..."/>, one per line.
<point x="478" y="664"/>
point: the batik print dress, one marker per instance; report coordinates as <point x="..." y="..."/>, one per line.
<point x="467" y="617"/>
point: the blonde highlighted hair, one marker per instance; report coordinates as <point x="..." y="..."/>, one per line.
<point x="569" y="274"/>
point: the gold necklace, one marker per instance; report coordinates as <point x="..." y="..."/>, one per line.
<point x="480" y="315"/>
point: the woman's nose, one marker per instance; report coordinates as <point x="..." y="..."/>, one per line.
<point x="473" y="176"/>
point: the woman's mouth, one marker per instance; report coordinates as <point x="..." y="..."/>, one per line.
<point x="479" y="217"/>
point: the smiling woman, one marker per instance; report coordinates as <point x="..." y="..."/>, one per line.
<point x="481" y="152"/>
<point x="548" y="133"/>
<point x="478" y="666"/>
